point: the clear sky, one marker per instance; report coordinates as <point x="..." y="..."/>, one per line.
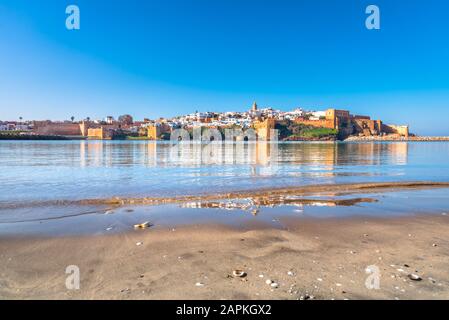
<point x="169" y="57"/>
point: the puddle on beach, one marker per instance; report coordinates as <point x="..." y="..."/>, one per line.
<point x="251" y="212"/>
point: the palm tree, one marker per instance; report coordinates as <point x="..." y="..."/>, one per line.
<point x="20" y="119"/>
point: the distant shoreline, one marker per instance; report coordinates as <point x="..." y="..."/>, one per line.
<point x="10" y="137"/>
<point x="261" y="197"/>
<point x="396" y="138"/>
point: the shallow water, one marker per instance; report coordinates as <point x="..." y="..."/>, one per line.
<point x="43" y="170"/>
<point x="33" y="172"/>
<point x="57" y="221"/>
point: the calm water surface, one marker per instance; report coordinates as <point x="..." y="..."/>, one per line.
<point x="37" y="171"/>
<point x="41" y="170"/>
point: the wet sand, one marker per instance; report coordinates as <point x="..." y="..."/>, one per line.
<point x="325" y="259"/>
<point x="264" y="196"/>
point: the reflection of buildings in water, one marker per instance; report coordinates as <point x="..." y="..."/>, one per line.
<point x="319" y="156"/>
<point x="160" y="154"/>
<point x="117" y="153"/>
<point x="266" y="153"/>
<point x="123" y="153"/>
<point x="309" y="159"/>
<point x="308" y="153"/>
<point x="259" y="153"/>
<point x="399" y="153"/>
<point x="108" y="153"/>
<point x="83" y="156"/>
<point x="91" y="153"/>
<point x="331" y="154"/>
<point x="395" y="153"/>
<point x="262" y="153"/>
<point x="151" y="153"/>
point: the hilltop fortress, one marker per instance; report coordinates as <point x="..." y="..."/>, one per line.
<point x="341" y="121"/>
<point x="298" y="124"/>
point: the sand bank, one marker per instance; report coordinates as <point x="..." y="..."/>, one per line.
<point x="264" y="196"/>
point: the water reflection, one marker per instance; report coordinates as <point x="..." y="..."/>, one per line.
<point x="254" y="204"/>
<point x="152" y="153"/>
<point x="91" y="169"/>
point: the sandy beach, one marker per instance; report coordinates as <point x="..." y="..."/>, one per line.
<point x="316" y="258"/>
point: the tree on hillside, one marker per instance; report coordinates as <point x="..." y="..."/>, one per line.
<point x="125" y="119"/>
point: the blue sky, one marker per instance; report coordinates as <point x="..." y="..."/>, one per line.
<point x="164" y="58"/>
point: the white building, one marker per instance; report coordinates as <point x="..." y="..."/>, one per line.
<point x="13" y="126"/>
<point x="316" y="115"/>
<point x="109" y="120"/>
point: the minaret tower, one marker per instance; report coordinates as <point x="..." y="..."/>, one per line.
<point x="254" y="107"/>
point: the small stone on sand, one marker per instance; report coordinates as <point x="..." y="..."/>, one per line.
<point x="142" y="225"/>
<point x="239" y="273"/>
<point x="414" y="277"/>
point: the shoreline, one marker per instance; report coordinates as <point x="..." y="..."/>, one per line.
<point x="263" y="195"/>
<point x="386" y="138"/>
<point x="321" y="259"/>
<point x="395" y="139"/>
<point x="251" y="207"/>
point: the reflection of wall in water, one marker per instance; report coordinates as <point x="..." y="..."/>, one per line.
<point x="308" y="153"/>
<point x="372" y="153"/>
<point x="212" y="153"/>
<point x="399" y="152"/>
<point x="93" y="153"/>
<point x="99" y="153"/>
<point x="151" y="154"/>
<point x="330" y="154"/>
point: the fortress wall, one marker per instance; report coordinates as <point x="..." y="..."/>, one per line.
<point x="361" y="125"/>
<point x="391" y="128"/>
<point x="153" y="132"/>
<point x="95" y="133"/>
<point x="57" y="129"/>
<point x="263" y="129"/>
<point x="325" y="123"/>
